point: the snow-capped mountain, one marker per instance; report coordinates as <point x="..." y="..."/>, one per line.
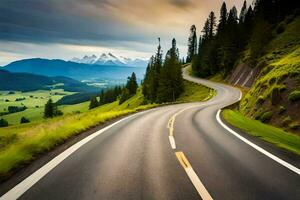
<point x="85" y="59"/>
<point x="110" y="59"/>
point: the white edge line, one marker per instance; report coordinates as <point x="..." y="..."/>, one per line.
<point x="198" y="184"/>
<point x="263" y="151"/>
<point x="241" y="95"/>
<point x="27" y="183"/>
<point x="172" y="142"/>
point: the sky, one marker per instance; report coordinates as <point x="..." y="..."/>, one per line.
<point x="63" y="29"/>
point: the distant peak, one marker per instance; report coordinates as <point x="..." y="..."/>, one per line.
<point x="110" y="54"/>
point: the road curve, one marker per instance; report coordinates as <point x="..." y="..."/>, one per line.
<point x="135" y="159"/>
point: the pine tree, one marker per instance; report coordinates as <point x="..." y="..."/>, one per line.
<point x="146" y="82"/>
<point x="206" y="30"/>
<point x="49" y="109"/>
<point x="223" y="18"/>
<point x="155" y="73"/>
<point x="192" y="44"/>
<point x="243" y="12"/>
<point x="212" y="24"/>
<point x="131" y="84"/>
<point x="93" y="103"/>
<point x="171" y="81"/>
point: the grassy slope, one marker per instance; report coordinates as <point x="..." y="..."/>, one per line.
<point x="40" y="97"/>
<point x="268" y="133"/>
<point x="195" y="92"/>
<point x="281" y="72"/>
<point x="21" y="144"/>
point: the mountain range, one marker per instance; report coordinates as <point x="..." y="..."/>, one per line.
<point x="110" y="59"/>
<point x="30" y="82"/>
<point x="75" y="70"/>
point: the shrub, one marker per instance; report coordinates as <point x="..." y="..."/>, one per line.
<point x="14" y="109"/>
<point x="266" y="116"/>
<point x="258" y="114"/>
<point x="294" y="96"/>
<point x="3" y="123"/>
<point x="24" y="120"/>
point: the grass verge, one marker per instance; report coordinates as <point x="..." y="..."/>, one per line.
<point x="276" y="136"/>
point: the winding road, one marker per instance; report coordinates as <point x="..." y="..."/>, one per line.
<point x="173" y="152"/>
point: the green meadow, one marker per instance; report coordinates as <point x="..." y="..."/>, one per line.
<point x="34" y="101"/>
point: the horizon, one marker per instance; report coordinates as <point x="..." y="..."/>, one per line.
<point x="32" y="30"/>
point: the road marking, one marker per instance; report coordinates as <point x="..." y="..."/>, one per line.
<point x="172" y="142"/>
<point x="27" y="183"/>
<point x="170" y="126"/>
<point x="193" y="176"/>
<point x="263" y="151"/>
<point x="241" y="96"/>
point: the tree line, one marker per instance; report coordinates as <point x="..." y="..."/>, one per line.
<point x="121" y="93"/>
<point x="163" y="80"/>
<point x="221" y="43"/>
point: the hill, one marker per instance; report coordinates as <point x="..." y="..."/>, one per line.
<point x="274" y="96"/>
<point x="79" y="71"/>
<point x="30" y="82"/>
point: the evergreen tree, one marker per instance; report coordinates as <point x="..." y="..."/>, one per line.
<point x="206" y="30"/>
<point x="49" y="109"/>
<point x="151" y="81"/>
<point x="192" y="44"/>
<point x="93" y="103"/>
<point x="243" y="12"/>
<point x="223" y="18"/>
<point x="146" y="82"/>
<point x="218" y="50"/>
<point x="212" y="24"/>
<point x="132" y="84"/>
<point x="171" y="81"/>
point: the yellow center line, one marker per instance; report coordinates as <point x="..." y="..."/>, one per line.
<point x="170" y="126"/>
<point x="182" y="159"/>
<point x="193" y="176"/>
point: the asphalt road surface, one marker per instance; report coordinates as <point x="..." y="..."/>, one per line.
<point x="173" y="152"/>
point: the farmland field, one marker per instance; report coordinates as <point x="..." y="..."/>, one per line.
<point x="34" y="101"/>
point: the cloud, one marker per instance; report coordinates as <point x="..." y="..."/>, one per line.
<point x="132" y="25"/>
